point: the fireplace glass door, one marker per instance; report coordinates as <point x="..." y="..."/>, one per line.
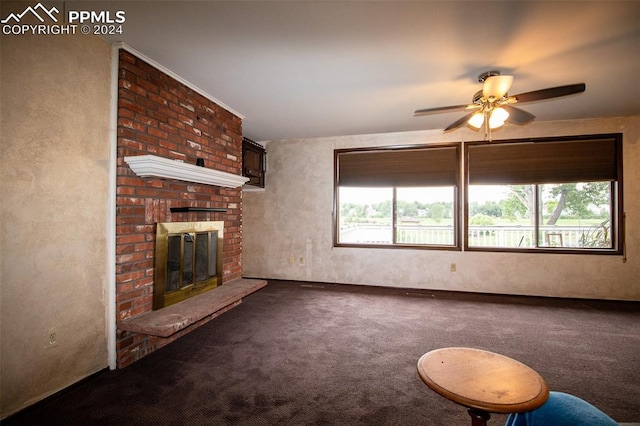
<point x="187" y="261"/>
<point x="191" y="259"/>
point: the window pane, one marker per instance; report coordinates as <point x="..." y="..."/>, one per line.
<point x="575" y="215"/>
<point x="425" y="215"/>
<point x="365" y="215"/>
<point x="501" y="216"/>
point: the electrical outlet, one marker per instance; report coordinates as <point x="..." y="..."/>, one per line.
<point x="301" y="260"/>
<point x="292" y="259"/>
<point x="51" y="339"/>
<point x="454" y="267"/>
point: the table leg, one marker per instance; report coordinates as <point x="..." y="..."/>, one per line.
<point x="478" y="418"/>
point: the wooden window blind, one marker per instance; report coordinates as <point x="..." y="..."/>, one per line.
<point x="401" y="167"/>
<point x="583" y="159"/>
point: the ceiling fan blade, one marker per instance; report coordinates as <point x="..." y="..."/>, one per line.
<point x="517" y="115"/>
<point x="496" y="86"/>
<point x="460" y="122"/>
<point x="439" y="109"/>
<point x="553" y="92"/>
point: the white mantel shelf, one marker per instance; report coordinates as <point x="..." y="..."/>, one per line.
<point x="154" y="166"/>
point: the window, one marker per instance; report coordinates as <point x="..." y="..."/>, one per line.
<point x="560" y="194"/>
<point x="403" y="197"/>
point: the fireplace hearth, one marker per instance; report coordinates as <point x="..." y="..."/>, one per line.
<point x="188" y="260"/>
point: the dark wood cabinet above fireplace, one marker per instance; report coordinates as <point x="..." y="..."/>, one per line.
<point x="254" y="158"/>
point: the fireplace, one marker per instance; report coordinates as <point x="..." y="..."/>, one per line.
<point x="161" y="117"/>
<point x="188" y="260"/>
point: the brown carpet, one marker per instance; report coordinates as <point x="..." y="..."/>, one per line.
<point x="324" y="354"/>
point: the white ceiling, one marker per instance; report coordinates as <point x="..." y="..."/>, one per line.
<point x="325" y="68"/>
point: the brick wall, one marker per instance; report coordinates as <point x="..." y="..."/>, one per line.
<point x="158" y="115"/>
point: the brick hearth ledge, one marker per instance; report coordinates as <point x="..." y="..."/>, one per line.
<point x="170" y="320"/>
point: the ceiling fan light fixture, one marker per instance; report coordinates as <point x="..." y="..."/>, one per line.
<point x="498" y="117"/>
<point x="496" y="86"/>
<point x="476" y="120"/>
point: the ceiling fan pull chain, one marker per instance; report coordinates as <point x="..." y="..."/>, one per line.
<point x="487" y="128"/>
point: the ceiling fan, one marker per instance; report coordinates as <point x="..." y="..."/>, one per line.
<point x="491" y="107"/>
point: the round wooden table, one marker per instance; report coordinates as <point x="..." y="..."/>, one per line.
<point x="482" y="381"/>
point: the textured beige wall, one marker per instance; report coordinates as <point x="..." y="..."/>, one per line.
<point x="54" y="118"/>
<point x="293" y="216"/>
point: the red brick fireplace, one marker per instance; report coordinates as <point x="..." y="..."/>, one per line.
<point x="160" y="116"/>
